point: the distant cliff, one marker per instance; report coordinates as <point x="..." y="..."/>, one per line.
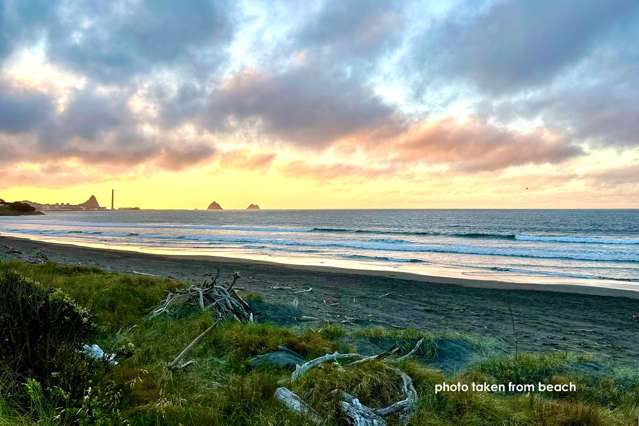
<point x="215" y="206"/>
<point x="90" y="204"/>
<point x="17" y="209"/>
<point x="253" y="207"/>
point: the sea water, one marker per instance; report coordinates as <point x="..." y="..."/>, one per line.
<point x="591" y="247"/>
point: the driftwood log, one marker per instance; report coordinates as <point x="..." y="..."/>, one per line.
<point x="294" y="403"/>
<point x="221" y="299"/>
<point x="176" y="363"/>
<point x="357" y="413"/>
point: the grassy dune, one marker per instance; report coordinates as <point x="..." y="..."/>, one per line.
<point x="222" y="388"/>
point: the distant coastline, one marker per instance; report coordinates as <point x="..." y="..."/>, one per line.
<point x="89" y="205"/>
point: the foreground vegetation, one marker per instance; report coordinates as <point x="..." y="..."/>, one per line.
<point x="222" y="387"/>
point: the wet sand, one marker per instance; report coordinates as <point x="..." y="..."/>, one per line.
<point x="547" y="317"/>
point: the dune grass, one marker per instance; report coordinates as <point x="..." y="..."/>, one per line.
<point x="222" y="389"/>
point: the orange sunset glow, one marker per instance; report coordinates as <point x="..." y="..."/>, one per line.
<point x="398" y="105"/>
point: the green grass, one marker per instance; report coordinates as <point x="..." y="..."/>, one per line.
<point x="117" y="300"/>
<point x="409" y="336"/>
<point x="8" y="416"/>
<point x="222" y="389"/>
<point x="374" y="383"/>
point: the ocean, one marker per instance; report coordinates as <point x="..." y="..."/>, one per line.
<point x="588" y="247"/>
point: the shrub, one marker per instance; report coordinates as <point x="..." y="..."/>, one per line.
<point x="116" y="300"/>
<point x="41" y="336"/>
<point x="39" y="327"/>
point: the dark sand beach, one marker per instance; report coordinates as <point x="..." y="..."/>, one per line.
<point x="561" y="320"/>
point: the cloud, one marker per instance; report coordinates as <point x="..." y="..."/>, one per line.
<point x="176" y="157"/>
<point x="45" y="176"/>
<point x="604" y="113"/>
<point x="303" y="106"/>
<point x="21" y="110"/>
<point x="92" y="113"/>
<point x="245" y="159"/>
<point x="118" y="40"/>
<point x="328" y="79"/>
<point x="513" y="45"/>
<point x="617" y="176"/>
<point x="334" y="170"/>
<point x="96" y="127"/>
<point x="351" y="31"/>
<point x="599" y="105"/>
<point x="22" y="22"/>
<point x="476" y="147"/>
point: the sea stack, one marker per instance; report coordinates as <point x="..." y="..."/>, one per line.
<point x="253" y="207"/>
<point x="214" y="206"/>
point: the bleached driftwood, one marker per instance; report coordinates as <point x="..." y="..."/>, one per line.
<point x="383" y="355"/>
<point x="307" y="318"/>
<point x="413" y="351"/>
<point x="358" y="413"/>
<point x="407" y="405"/>
<point x="146" y="274"/>
<point x="296" y="404"/>
<point x="301" y="369"/>
<point x="222" y="300"/>
<point x="176" y="362"/>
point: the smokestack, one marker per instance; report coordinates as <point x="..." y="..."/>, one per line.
<point x="112" y="199"/>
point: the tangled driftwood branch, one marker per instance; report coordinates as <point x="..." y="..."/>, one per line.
<point x="357" y="413"/>
<point x="175" y="364"/>
<point x="222" y="300"/>
<point x="301" y="369"/>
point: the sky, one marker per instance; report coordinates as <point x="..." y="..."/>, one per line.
<point x="321" y="104"/>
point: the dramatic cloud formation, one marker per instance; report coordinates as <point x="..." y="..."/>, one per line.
<point x="303" y="106"/>
<point x="22" y="110"/>
<point x="358" y="30"/>
<point x="511" y="45"/>
<point x="474" y="147"/>
<point x="327" y="91"/>
<point x="115" y="41"/>
<point x="22" y="22"/>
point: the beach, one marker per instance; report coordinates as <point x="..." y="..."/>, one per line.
<point x="540" y="317"/>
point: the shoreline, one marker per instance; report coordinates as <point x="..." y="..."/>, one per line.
<point x="302" y="296"/>
<point x="596" y="289"/>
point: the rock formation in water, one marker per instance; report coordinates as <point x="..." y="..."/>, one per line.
<point x="214" y="206"/>
<point x="253" y="207"/>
